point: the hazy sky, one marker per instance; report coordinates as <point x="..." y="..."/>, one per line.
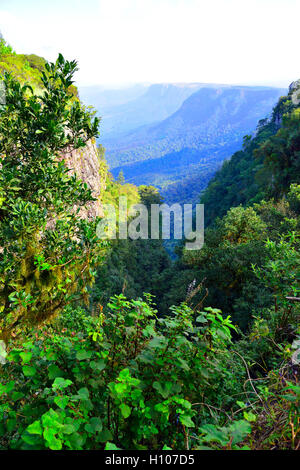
<point x="129" y="41"/>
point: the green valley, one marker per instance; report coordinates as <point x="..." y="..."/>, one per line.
<point x="108" y="343"/>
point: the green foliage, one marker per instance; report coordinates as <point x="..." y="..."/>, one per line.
<point x="280" y="155"/>
<point x="221" y="272"/>
<point x="293" y="197"/>
<point x="133" y="383"/>
<point x="224" y="437"/>
<point x="26" y="68"/>
<point x="131" y="266"/>
<point x="46" y="247"/>
<point x="267" y="165"/>
<point x="223" y="267"/>
<point x="129" y="380"/>
<point x="5" y="49"/>
<point x="127" y="374"/>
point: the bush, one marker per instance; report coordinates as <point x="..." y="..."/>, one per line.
<point x="124" y="377"/>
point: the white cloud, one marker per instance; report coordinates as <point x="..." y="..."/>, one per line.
<point x="115" y="41"/>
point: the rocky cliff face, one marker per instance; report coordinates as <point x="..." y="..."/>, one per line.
<point x="85" y="163"/>
<point x="294" y="91"/>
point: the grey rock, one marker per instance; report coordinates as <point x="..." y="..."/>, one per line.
<point x="294" y="91"/>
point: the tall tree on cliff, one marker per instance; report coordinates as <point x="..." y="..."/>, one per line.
<point x="47" y="250"/>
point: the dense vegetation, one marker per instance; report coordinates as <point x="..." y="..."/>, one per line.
<point x="47" y="250"/>
<point x="267" y="165"/>
<point x="217" y="370"/>
<point x="131" y="266"/>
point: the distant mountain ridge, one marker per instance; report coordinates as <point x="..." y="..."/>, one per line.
<point x="131" y="108"/>
<point x="191" y="143"/>
<point x="209" y="113"/>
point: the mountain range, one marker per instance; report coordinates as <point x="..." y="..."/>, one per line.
<point x="175" y="136"/>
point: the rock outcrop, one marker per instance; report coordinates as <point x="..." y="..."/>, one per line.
<point x="86" y="164"/>
<point x="294" y="91"/>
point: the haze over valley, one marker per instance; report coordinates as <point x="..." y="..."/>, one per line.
<point x="176" y="135"/>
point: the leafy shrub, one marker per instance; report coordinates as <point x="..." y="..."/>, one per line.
<point x="48" y="250"/>
<point x="124" y="377"/>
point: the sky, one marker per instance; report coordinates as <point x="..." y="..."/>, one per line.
<point x="118" y="42"/>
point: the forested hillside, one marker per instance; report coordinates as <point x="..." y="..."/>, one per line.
<point x="251" y="200"/>
<point x="267" y="165"/>
<point x="126" y="110"/>
<point x="108" y="344"/>
<point x="193" y="141"/>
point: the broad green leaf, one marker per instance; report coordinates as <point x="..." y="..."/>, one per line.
<point x="111" y="446"/>
<point x="60" y="383"/>
<point x="105" y="435"/>
<point x="98" y="365"/>
<point x="53" y="442"/>
<point x="83" y="354"/>
<point x="35" y="428"/>
<point x="26" y="357"/>
<point x="125" y="410"/>
<point x="29" y="371"/>
<point x="61" y="402"/>
<point x="163" y="388"/>
<point x="54" y="371"/>
<point x="186" y="421"/>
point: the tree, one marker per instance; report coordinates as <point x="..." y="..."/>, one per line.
<point x="47" y="250"/>
<point x="4" y="47"/>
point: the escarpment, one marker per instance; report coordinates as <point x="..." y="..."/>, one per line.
<point x="294" y="91"/>
<point x="85" y="164"/>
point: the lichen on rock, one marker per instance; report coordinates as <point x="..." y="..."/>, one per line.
<point x="294" y="91"/>
<point x="85" y="164"/>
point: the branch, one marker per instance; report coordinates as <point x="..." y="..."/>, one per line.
<point x="293" y="299"/>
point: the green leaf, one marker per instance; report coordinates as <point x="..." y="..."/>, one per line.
<point x="83" y="393"/>
<point x="61" y="402"/>
<point x="35" y="428"/>
<point x="249" y="416"/>
<point x="53" y="442"/>
<point x="201" y="319"/>
<point x="68" y="429"/>
<point x="124" y="374"/>
<point x="125" y="410"/>
<point x="54" y="371"/>
<point x="32" y="440"/>
<point x="105" y="435"/>
<point x="111" y="446"/>
<point x="214" y="434"/>
<point x="11" y="424"/>
<point x="120" y="388"/>
<point x="82" y="354"/>
<point x="7" y="388"/>
<point x="158" y="342"/>
<point x="96" y="423"/>
<point x="163" y="388"/>
<point x="186" y="421"/>
<point x="183" y="364"/>
<point x="60" y="383"/>
<point x="98" y="365"/>
<point x="29" y="371"/>
<point x="76" y="441"/>
<point x="239" y="430"/>
<point x="17" y="396"/>
<point x="26" y="357"/>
